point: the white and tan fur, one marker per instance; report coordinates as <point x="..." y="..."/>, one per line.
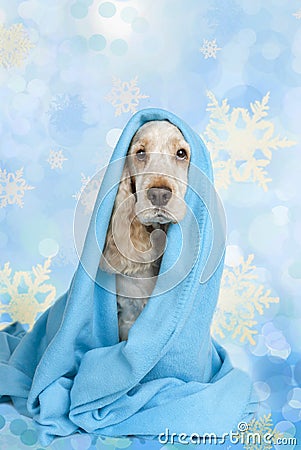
<point x="150" y="196"/>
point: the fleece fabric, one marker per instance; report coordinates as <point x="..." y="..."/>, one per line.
<point x="71" y="374"/>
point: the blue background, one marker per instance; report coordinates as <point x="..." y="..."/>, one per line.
<point x="71" y="75"/>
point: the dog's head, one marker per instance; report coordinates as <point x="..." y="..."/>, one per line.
<point x="150" y="193"/>
<point x="157" y="162"/>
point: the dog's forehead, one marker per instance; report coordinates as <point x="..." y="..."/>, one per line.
<point x="157" y="131"/>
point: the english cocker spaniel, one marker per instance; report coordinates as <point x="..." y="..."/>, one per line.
<point x="150" y="196"/>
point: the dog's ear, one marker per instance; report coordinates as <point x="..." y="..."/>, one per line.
<point x="125" y="189"/>
<point x="128" y="242"/>
<point x="122" y="216"/>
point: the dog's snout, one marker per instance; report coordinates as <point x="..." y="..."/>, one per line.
<point x="159" y="196"/>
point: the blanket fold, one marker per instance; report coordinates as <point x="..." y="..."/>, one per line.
<point x="71" y="374"/>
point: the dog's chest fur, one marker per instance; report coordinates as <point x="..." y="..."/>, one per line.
<point x="133" y="295"/>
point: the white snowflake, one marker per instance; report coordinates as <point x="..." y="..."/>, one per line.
<point x="88" y="192"/>
<point x="297" y="14"/>
<point x="56" y="159"/>
<point x="84" y="180"/>
<point x="67" y="255"/>
<point x="262" y="427"/>
<point x="12" y="188"/>
<point x="125" y="96"/>
<point x="234" y="137"/>
<point x="242" y="298"/>
<point x="209" y="49"/>
<point x="29" y="292"/>
<point x="14" y="45"/>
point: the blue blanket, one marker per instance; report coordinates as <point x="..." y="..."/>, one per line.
<point x="71" y="374"/>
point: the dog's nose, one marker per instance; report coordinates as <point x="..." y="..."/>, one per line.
<point x="159" y="196"/>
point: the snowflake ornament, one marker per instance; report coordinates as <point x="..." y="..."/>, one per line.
<point x="88" y="192"/>
<point x="84" y="180"/>
<point x="241" y="299"/>
<point x="67" y="255"/>
<point x="297" y="14"/>
<point x="241" y="143"/>
<point x="125" y="96"/>
<point x="12" y="188"/>
<point x="14" y="45"/>
<point x="209" y="49"/>
<point x="56" y="159"/>
<point x="255" y="437"/>
<point x="66" y="112"/>
<point x="29" y="293"/>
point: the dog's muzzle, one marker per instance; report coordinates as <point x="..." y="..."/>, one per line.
<point x="159" y="196"/>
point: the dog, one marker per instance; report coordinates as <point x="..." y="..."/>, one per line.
<point x="150" y="196"/>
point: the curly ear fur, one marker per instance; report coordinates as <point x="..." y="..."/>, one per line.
<point x="133" y="251"/>
<point x="126" y="236"/>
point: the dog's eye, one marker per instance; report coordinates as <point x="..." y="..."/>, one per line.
<point x="141" y="154"/>
<point x="181" y="154"/>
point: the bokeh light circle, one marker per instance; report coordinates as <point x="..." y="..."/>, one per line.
<point x="16" y="83"/>
<point x="48" y="248"/>
<point x="260" y="349"/>
<point x="112" y="136"/>
<point x="78" y="44"/>
<point x="233" y="255"/>
<point x="29" y="437"/>
<point x="263" y="390"/>
<point x="97" y="42"/>
<point x="294" y="398"/>
<point x="286" y="427"/>
<point x="119" y="47"/>
<point x="107" y="9"/>
<point x="18" y="426"/>
<point x="291" y="414"/>
<point x="140" y="25"/>
<point x="128" y="14"/>
<point x="297" y="372"/>
<point x="82" y="442"/>
<point x="79" y="10"/>
<point x="37" y="87"/>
